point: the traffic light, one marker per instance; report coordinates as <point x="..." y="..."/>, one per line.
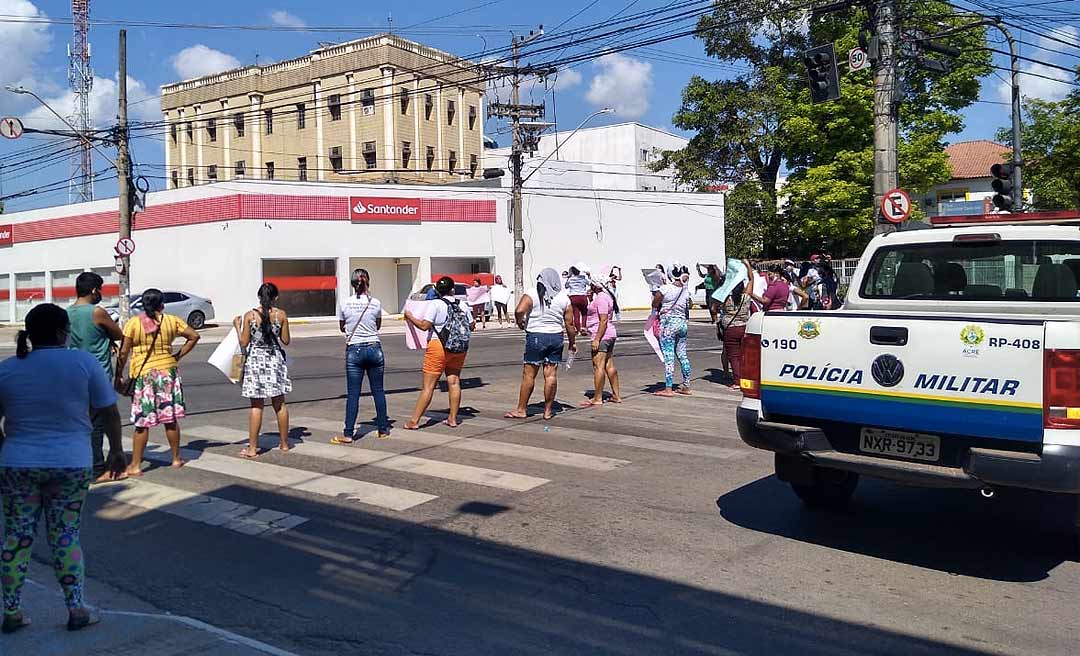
<point x="1004" y="194"/>
<point x="821" y="70"/>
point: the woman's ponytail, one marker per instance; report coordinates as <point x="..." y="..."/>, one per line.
<point x="268" y="293"/>
<point x="22" y="347"/>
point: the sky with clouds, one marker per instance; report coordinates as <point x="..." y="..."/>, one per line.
<point x="641" y="85"/>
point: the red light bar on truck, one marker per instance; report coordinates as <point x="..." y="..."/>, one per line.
<point x="1047" y="218"/>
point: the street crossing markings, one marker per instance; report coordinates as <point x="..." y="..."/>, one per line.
<point x="539" y="454"/>
<point x="401" y="463"/>
<point x="214" y="511"/>
<point x="373" y="494"/>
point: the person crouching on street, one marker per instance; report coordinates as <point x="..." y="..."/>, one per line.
<point x="601" y="324"/>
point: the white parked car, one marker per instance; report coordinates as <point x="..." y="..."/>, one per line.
<point x="196" y="311"/>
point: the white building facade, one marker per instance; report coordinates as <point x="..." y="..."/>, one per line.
<point x="223" y="240"/>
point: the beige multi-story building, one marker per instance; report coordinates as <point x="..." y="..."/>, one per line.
<point x="373" y="110"/>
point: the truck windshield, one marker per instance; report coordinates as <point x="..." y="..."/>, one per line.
<point x="1023" y="270"/>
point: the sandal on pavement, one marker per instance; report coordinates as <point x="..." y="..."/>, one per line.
<point x="13" y="623"/>
<point x="79" y="622"/>
<point x="341" y="439"/>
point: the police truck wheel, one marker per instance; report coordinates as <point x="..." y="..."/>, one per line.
<point x="831" y="488"/>
<point x="196" y="320"/>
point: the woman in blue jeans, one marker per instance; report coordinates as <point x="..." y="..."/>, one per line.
<point x="360" y="318"/>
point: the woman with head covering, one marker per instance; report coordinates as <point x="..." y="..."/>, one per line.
<point x="543" y="313"/>
<point x="47" y="393"/>
<point x="601" y="324"/>
<point x="672" y="302"/>
<point x="577" y="288"/>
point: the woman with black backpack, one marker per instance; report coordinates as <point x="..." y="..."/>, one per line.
<point x="449" y="327"/>
<point x="264" y="332"/>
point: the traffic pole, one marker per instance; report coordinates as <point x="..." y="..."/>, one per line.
<point x="123" y="165"/>
<point x="886" y="120"/>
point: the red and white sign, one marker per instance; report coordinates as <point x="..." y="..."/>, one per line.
<point x="125" y="246"/>
<point x="7" y="236"/>
<point x="896" y="206"/>
<point x="10" y="127"/>
<point x="366" y="209"/>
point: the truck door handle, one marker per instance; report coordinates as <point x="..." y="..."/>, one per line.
<point x="888" y="335"/>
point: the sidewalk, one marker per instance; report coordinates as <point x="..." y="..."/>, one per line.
<point x="128" y="626"/>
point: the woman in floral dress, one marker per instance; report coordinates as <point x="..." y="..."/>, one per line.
<point x="264" y="332"/>
<point x="158" y="397"/>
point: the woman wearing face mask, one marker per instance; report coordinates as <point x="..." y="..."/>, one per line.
<point x="263" y="334"/>
<point x="672" y="302"/>
<point x="360" y="319"/>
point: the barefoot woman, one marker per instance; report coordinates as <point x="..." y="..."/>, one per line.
<point x="264" y="332"/>
<point x="158" y="397"/>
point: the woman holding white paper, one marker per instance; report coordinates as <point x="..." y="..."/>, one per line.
<point x="264" y="332"/>
<point x="500" y="297"/>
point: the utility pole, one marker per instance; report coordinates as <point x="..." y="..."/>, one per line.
<point x="886" y="107"/>
<point x="123" y="170"/>
<point x="516" y="111"/>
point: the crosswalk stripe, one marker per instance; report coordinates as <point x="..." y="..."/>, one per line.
<point x="327" y="485"/>
<point x="214" y="511"/>
<point x="402" y="463"/>
<point x="526" y="452"/>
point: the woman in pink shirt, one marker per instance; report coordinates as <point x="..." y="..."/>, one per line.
<point x="776" y="293"/>
<point x="601" y="325"/>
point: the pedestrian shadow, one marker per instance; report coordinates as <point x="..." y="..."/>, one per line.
<point x="1018" y="536"/>
<point x="718" y="377"/>
<point x="466" y="384"/>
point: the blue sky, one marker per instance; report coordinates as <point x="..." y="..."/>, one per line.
<point x="642" y="84"/>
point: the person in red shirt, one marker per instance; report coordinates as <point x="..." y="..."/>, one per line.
<point x="776" y="293"/>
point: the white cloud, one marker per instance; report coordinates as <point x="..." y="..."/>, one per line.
<point x="567" y="78"/>
<point x="1037" y="84"/>
<point x="199" y="60"/>
<point x="283" y="18"/>
<point x="143" y="105"/>
<point x="622" y="83"/>
<point x="21" y="44"/>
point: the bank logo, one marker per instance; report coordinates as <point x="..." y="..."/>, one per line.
<point x="809" y="329"/>
<point x="359" y="208"/>
<point x="6" y="237"/>
<point x="972" y="337"/>
<point x="384" y="209"/>
<point x="887" y="370"/>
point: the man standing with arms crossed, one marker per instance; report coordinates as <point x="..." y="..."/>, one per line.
<point x="94" y="331"/>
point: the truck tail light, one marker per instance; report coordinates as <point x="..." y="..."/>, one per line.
<point x="1061" y="388"/>
<point x="750" y="367"/>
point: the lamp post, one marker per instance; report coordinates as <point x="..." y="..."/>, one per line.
<point x="606" y="110"/>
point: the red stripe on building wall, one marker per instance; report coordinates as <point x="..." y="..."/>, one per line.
<point x="5" y="295"/>
<point x="30" y="293"/>
<point x="304" y="283"/>
<point x="464" y="211"/>
<point x="467" y="278"/>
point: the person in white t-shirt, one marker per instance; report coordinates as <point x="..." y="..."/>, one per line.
<point x="672" y="301"/>
<point x="360" y="318"/>
<point x="544" y="314"/>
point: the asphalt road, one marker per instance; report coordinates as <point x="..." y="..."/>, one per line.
<point x="645" y="528"/>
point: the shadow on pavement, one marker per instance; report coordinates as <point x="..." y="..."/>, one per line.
<point x="1018" y="535"/>
<point x="352" y="582"/>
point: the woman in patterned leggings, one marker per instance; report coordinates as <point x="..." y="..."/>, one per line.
<point x="46" y="394"/>
<point x="672" y="302"/>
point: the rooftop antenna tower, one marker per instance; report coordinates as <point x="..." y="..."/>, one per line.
<point x="81" y="79"/>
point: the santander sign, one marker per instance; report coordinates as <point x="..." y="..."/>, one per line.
<point x="364" y="209"/>
<point x="6" y="237"/>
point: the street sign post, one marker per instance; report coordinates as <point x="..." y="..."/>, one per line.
<point x="11" y="127"/>
<point x="857" y="59"/>
<point x="896" y="206"/>
<point x="125" y="246"/>
<point x="118" y="264"/>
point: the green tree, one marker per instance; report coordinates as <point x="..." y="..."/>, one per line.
<point x="747" y="210"/>
<point x="760" y="121"/>
<point x="1050" y="138"/>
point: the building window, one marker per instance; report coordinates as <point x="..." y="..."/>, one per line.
<point x="191" y="177"/>
<point x="452" y="164"/>
<point x="451" y="109"/>
<point x="644" y="154"/>
<point x="370" y="158"/>
<point x="406" y="154"/>
<point x="238" y="123"/>
<point x="269" y="121"/>
<point x="335" y="159"/>
<point x="175" y="179"/>
<point x="301" y="116"/>
<point x="367" y="102"/>
<point x="211" y="173"/>
<point x="190" y="132"/>
<point x="472" y="117"/>
<point x="269" y="170"/>
<point x="473" y="165"/>
<point x="404" y="101"/>
<point x="301" y="167"/>
<point x="335" y="107"/>
<point x="211" y="129"/>
<point x="430" y="157"/>
<point x="172" y="131"/>
<point x="239" y="169"/>
<point x="429" y="105"/>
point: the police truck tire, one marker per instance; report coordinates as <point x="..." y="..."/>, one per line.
<point x="831" y="488"/>
<point x="196" y="320"/>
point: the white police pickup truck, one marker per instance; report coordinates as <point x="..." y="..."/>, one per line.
<point x="955" y="362"/>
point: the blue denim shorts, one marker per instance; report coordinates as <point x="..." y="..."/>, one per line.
<point x="543" y="348"/>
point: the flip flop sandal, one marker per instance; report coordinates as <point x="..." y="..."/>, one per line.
<point x="341" y="439"/>
<point x="83" y="621"/>
<point x="14" y="623"/>
<point x="246" y="453"/>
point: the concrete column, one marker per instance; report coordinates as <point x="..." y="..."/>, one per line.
<point x="225" y="171"/>
<point x="353" y="164"/>
<point x="11" y="297"/>
<point x="48" y="286"/>
<point x="463" y="118"/>
<point x="440" y="155"/>
<point x="320" y="150"/>
<point x="418" y="143"/>
<point x="168" y="148"/>
<point x="200" y="174"/>
<point x="389" y="142"/>
<point x="181" y="139"/>
<point x="256" y="135"/>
